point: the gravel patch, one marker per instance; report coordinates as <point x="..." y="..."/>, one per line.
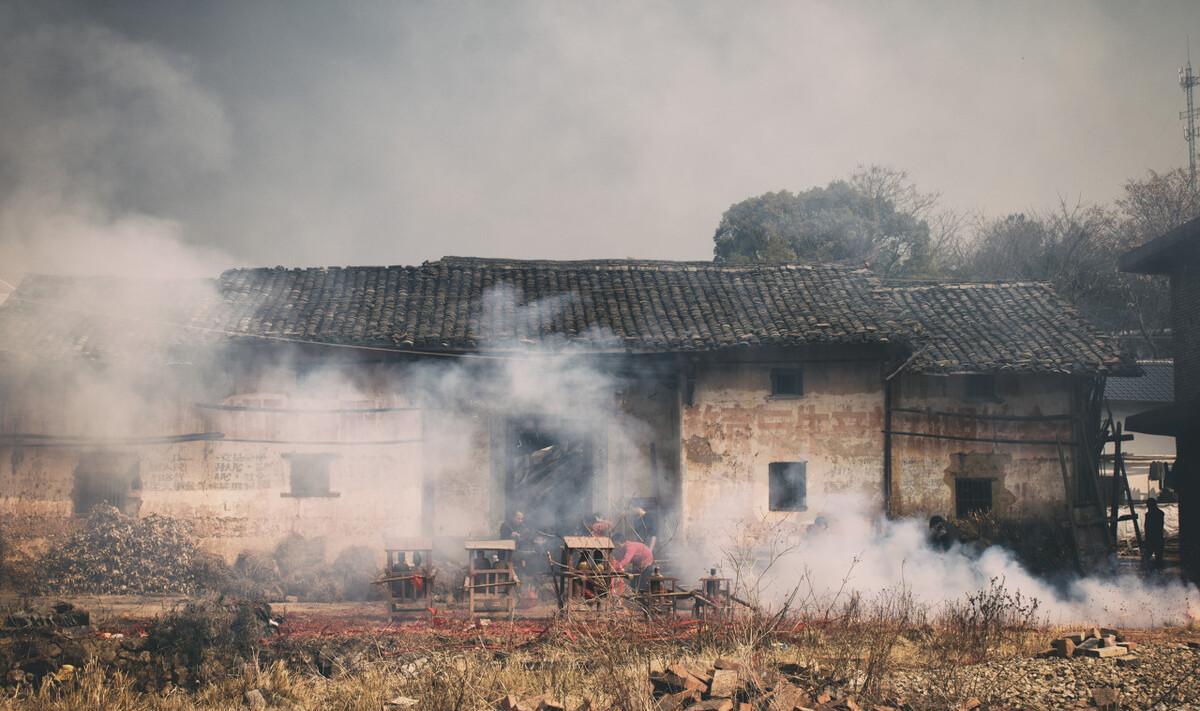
<point x="1157" y="676"/>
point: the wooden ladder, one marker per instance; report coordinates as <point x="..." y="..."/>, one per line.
<point x="1114" y="434"/>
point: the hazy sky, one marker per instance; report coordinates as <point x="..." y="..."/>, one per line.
<point x="383" y="133"/>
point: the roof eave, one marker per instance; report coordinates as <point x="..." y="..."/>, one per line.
<point x="1161" y="255"/>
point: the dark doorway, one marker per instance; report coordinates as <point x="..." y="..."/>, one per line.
<point x="107" y="478"/>
<point x="549" y="478"/>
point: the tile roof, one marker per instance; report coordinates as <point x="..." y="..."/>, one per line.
<point x="1156" y="384"/>
<point x="462" y="304"/>
<point x="996" y="327"/>
<point x="466" y="304"/>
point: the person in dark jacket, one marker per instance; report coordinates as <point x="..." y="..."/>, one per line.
<point x="1153" y="523"/>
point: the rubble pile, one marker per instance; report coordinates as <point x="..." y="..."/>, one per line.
<point x="729" y="686"/>
<point x="1097" y="642"/>
<point x="185" y="648"/>
<point x="37" y="642"/>
<point x="60" y="614"/>
<point x="114" y="554"/>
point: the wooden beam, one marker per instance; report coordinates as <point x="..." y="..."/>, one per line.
<point x="979" y="416"/>
<point x="990" y="440"/>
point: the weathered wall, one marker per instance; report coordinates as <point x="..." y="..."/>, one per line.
<point x="1026" y="479"/>
<point x="735" y="428"/>
<point x="397" y="467"/>
<point x="237" y="491"/>
<point x="403" y="468"/>
<point x="1185" y="325"/>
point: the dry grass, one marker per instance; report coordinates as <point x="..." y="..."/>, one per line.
<point x="853" y="648"/>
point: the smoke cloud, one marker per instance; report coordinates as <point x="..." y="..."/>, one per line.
<point x="305" y="133"/>
<point x="856" y="550"/>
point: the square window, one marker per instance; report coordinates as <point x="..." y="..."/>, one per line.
<point x="788" y="486"/>
<point x="981" y="387"/>
<point x="787" y="382"/>
<point x="309" y="475"/>
<point x="972" y="496"/>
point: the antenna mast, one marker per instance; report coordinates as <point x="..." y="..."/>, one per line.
<point x="1187" y="81"/>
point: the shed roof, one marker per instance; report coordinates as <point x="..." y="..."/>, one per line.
<point x="1156" y="383"/>
<point x="1167" y="252"/>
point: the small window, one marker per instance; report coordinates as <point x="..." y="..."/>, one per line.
<point x="972" y="496"/>
<point x="788" y="486"/>
<point x="310" y="475"/>
<point x="787" y="382"/>
<point x="981" y="387"/>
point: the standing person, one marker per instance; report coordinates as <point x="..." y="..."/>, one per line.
<point x="1153" y="523"/>
<point x="633" y="557"/>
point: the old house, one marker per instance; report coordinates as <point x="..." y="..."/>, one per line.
<point x="1176" y="254"/>
<point x="355" y="403"/>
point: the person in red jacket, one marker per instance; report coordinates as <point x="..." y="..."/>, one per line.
<point x="633" y="557"/>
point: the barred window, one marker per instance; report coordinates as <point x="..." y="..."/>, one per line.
<point x="787" y="382"/>
<point x="972" y="496"/>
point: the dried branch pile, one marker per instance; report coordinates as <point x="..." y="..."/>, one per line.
<point x="114" y="554"/>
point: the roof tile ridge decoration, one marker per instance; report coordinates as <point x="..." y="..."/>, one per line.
<point x="633" y="265"/>
<point x="888" y="285"/>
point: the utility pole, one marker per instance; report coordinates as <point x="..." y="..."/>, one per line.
<point x="1187" y="81"/>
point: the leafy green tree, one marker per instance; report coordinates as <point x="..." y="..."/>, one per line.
<point x="872" y="219"/>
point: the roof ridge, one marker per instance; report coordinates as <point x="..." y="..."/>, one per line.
<point x="618" y="264"/>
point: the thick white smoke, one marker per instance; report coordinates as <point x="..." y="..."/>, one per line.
<point x="855" y="549"/>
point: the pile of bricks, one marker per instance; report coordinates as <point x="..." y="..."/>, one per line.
<point x="1097" y="642"/>
<point x="728" y="686"/>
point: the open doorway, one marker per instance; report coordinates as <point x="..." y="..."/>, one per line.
<point x="549" y="477"/>
<point x="107" y="478"/>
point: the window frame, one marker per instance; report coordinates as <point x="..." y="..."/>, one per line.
<point x="777" y="373"/>
<point x="777" y="471"/>
<point x="325" y="463"/>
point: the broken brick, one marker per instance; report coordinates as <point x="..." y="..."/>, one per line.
<point x="788" y="697"/>
<point x="1065" y="647"/>
<point x="678" y="700"/>
<point x="724" y="683"/>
